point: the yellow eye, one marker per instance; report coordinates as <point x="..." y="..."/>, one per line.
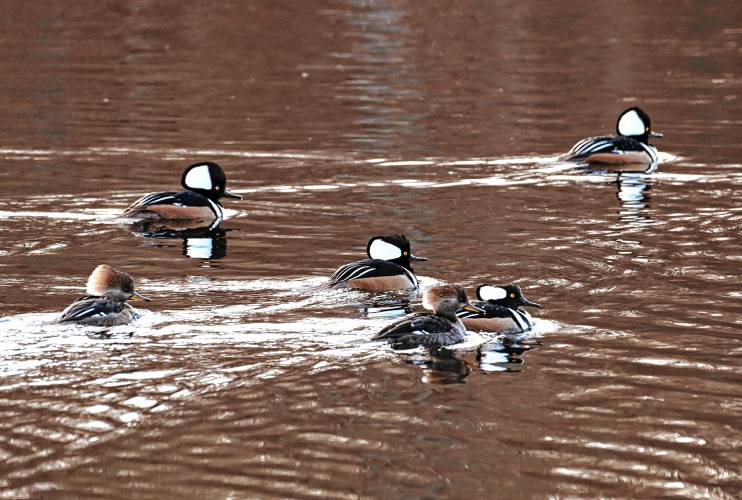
<point x="405" y="253"/>
<point x="512" y="295"/>
<point x="216" y="187"/>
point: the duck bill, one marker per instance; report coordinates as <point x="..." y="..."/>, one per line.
<point x="526" y="302"/>
<point x="419" y="259"/>
<point x="227" y="194"/>
<point x="474" y="309"/>
<point x="138" y="296"/>
<point x="657" y="135"/>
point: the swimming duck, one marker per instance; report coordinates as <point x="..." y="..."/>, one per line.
<point x="630" y="146"/>
<point x="441" y="328"/>
<point x="387" y="268"/>
<point x="105" y="303"/>
<point x="204" y="183"/>
<point x="499" y="310"/>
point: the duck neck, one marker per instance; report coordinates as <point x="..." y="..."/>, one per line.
<point x="450" y="315"/>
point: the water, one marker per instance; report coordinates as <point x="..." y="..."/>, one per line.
<point x="336" y="121"/>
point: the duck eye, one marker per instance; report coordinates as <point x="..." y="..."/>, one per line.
<point x="512" y="295"/>
<point x="405" y="253"/>
<point x="216" y="188"/>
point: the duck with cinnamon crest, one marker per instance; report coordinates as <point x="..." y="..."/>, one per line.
<point x="204" y="183"/>
<point x="105" y="304"/>
<point x="629" y="147"/>
<point x="387" y="268"/>
<point x="442" y="328"/>
<point x="499" y="310"/>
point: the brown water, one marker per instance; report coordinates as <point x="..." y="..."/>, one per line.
<point x="338" y="120"/>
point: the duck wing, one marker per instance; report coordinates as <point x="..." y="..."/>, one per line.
<point x="165" y="199"/>
<point x="89" y="306"/>
<point x="369" y="268"/>
<point x="420" y="329"/>
<point x="489" y="310"/>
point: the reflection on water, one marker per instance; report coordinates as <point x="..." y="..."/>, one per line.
<point x="199" y="241"/>
<point x="503" y="354"/>
<point x="633" y="193"/>
<point x="441" y="120"/>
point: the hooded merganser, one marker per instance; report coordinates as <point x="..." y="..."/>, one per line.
<point x="500" y="311"/>
<point x="204" y="184"/>
<point x="441" y="328"/>
<point x="630" y="146"/>
<point x="105" y="303"/>
<point x="388" y="267"/>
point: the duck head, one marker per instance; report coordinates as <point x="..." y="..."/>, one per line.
<point x="394" y="248"/>
<point x="208" y="179"/>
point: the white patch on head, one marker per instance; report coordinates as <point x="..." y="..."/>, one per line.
<point x="380" y="249"/>
<point x="198" y="178"/>
<point x="491" y="293"/>
<point x="631" y="123"/>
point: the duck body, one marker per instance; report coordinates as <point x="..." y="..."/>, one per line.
<point x="204" y="183"/>
<point x="442" y="328"/>
<point x="105" y="303"/>
<point x="422" y="329"/>
<point x="629" y="146"/>
<point x="98" y="311"/>
<point x="375" y="275"/>
<point x="496" y="318"/>
<point x="616" y="150"/>
<point x="501" y="311"/>
<point x="388" y="267"/>
<point x="175" y="205"/>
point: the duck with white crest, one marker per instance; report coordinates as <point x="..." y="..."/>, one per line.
<point x="499" y="310"/>
<point x="389" y="267"/>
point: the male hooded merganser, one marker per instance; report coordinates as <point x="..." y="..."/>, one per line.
<point x="441" y="328"/>
<point x="204" y="184"/>
<point x="500" y="310"/>
<point x="630" y="146"/>
<point x="388" y="267"/>
<point x="105" y="302"/>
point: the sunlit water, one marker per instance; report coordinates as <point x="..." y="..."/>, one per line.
<point x="243" y="378"/>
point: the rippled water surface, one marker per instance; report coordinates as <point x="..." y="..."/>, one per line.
<point x="338" y="120"/>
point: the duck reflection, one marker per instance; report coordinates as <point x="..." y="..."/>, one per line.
<point x="505" y="354"/>
<point x="199" y="241"/>
<point x="441" y="365"/>
<point x="633" y="185"/>
<point x="633" y="193"/>
<point x="390" y="305"/>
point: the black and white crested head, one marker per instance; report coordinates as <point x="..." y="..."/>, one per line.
<point x="634" y="122"/>
<point x="391" y="247"/>
<point x="208" y="179"/>
<point x="388" y="247"/>
<point x="510" y="296"/>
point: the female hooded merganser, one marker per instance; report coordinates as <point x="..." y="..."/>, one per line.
<point x="499" y="310"/>
<point x="441" y="328"/>
<point x="204" y="184"/>
<point x="388" y="267"/>
<point x="630" y="146"/>
<point x="105" y="302"/>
